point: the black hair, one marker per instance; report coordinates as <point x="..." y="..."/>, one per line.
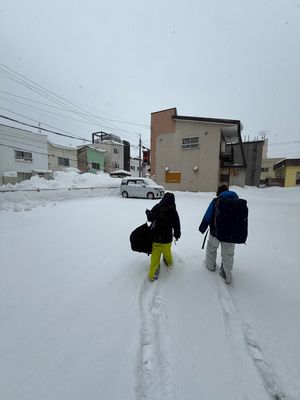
<point x="221" y="189"/>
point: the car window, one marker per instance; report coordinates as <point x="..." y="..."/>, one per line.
<point x="150" y="182"/>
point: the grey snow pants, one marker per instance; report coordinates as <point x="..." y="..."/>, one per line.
<point x="227" y="254"/>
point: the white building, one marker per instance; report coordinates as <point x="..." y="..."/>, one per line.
<point x="22" y="154"/>
<point x="134" y="167"/>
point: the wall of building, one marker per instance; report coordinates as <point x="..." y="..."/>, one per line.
<point x="161" y="123"/>
<point x="14" y="139"/>
<point x="134" y="167"/>
<point x="56" y="151"/>
<point x="267" y="168"/>
<point x="97" y="157"/>
<point x="253" y="152"/>
<point x="82" y="159"/>
<point x="199" y="167"/>
<point x="290" y="176"/>
<point x="126" y="150"/>
<point x="114" y="157"/>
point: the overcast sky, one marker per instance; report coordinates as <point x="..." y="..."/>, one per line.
<point x="120" y="60"/>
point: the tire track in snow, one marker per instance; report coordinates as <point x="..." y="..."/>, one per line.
<point x="240" y="334"/>
<point x="154" y="366"/>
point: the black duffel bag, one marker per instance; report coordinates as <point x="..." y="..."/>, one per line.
<point x="141" y="239"/>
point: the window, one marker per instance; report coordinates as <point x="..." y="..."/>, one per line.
<point x="190" y="142"/>
<point x="265" y="170"/>
<point x="63" y="161"/>
<point x="22" y="176"/>
<point x="95" y="166"/>
<point x="298" y="178"/>
<point x="132" y="167"/>
<point x="23" y="155"/>
<point x="116" y="151"/>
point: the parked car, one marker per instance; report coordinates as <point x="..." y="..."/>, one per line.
<point x="141" y="187"/>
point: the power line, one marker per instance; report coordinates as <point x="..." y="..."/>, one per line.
<point x="60" y="108"/>
<point x="21" y="79"/>
<point x="283" y="143"/>
<point x="56" y="133"/>
<point x="43" y="129"/>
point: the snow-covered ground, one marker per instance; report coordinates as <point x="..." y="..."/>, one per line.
<point x="79" y="320"/>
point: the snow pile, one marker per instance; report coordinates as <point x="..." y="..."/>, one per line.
<point x="64" y="185"/>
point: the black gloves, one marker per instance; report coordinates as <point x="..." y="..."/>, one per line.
<point x="177" y="236"/>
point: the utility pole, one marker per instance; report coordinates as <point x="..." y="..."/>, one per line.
<point x="140" y="156"/>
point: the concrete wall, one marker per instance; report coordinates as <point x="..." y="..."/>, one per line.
<point x="199" y="167"/>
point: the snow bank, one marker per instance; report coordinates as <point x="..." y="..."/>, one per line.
<point x="64" y="185"/>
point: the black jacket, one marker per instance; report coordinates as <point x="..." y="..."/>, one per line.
<point x="165" y="220"/>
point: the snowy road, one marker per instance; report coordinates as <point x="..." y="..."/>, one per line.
<point x="80" y="321"/>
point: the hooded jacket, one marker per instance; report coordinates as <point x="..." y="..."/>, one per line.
<point x="165" y="220"/>
<point x="208" y="219"/>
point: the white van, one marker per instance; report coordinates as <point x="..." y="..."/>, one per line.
<point x="141" y="187"/>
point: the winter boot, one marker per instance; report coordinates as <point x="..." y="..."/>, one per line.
<point x="156" y="275"/>
<point x="225" y="276"/>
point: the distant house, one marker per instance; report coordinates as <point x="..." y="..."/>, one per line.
<point x="267" y="171"/>
<point x="23" y="154"/>
<point x="90" y="159"/>
<point x="61" y="157"/>
<point x="194" y="153"/>
<point x="117" y="153"/>
<point x="288" y="170"/>
<point x="135" y="167"/>
<point x="118" y="150"/>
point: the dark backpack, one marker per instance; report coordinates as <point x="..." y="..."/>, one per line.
<point x="231" y="220"/>
<point x="141" y="239"/>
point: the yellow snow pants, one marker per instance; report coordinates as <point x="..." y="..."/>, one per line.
<point x="159" y="249"/>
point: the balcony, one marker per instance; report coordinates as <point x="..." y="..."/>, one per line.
<point x="226" y="158"/>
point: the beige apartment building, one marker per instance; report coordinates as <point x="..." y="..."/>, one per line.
<point x="196" y="153"/>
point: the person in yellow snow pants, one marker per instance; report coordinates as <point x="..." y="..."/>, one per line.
<point x="165" y="224"/>
<point x="159" y="249"/>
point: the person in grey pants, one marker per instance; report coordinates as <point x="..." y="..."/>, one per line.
<point x="227" y="249"/>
